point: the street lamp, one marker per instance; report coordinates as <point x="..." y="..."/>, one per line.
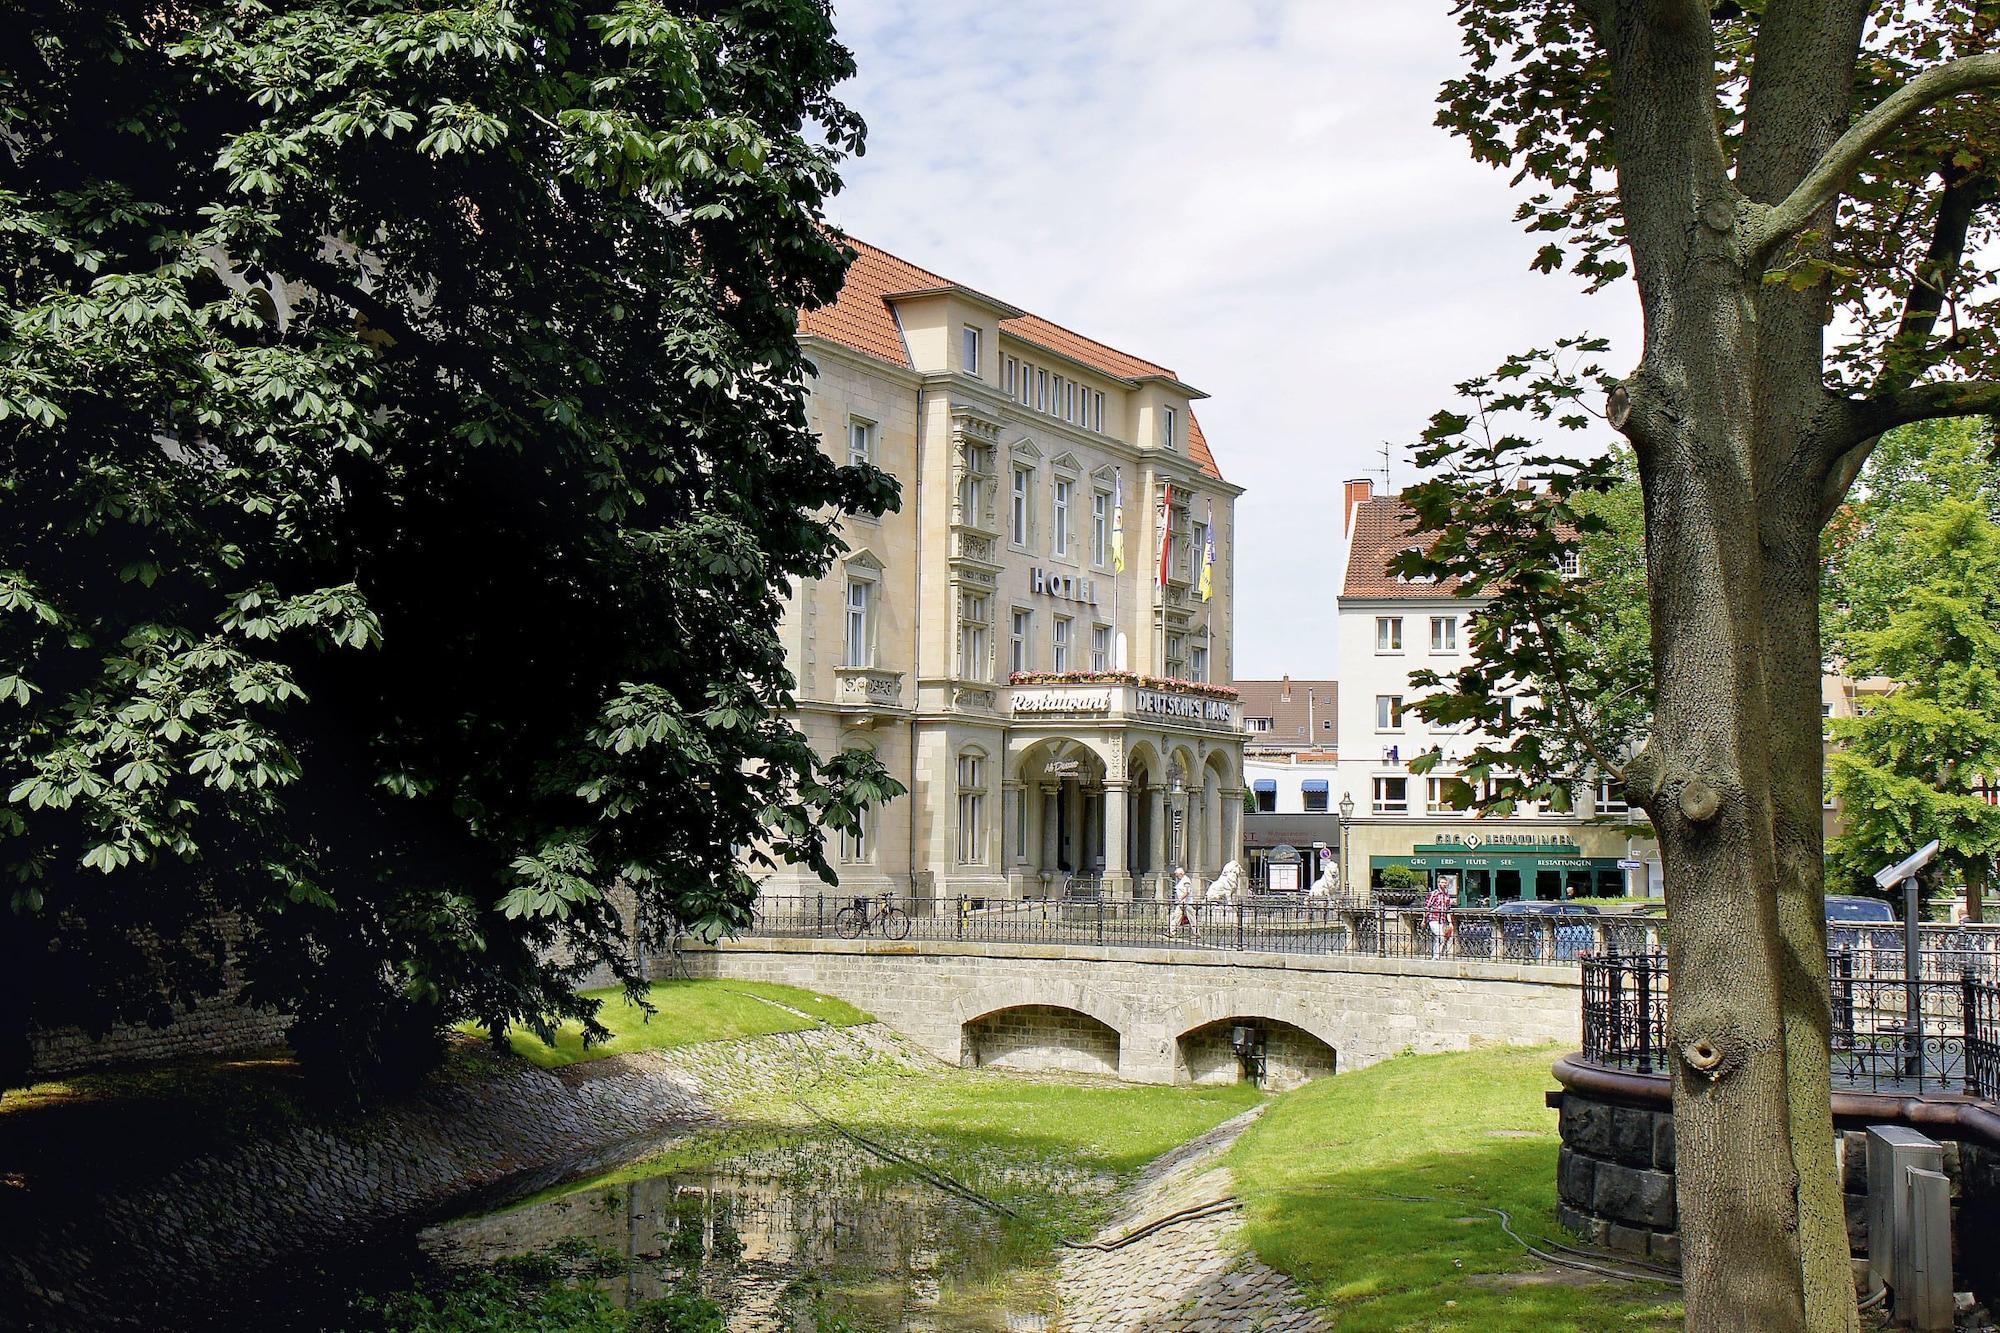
<point x="1346" y="814"/>
<point x="1176" y="821"/>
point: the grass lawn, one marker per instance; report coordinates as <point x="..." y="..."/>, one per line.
<point x="1465" y="1130"/>
<point x="685" y="1012"/>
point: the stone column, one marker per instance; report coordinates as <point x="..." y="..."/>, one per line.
<point x="1117" y="872"/>
<point x="1232" y="826"/>
<point x="1051" y="793"/>
<point x="1088" y="803"/>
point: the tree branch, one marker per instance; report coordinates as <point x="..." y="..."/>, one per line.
<point x="1927" y="402"/>
<point x="1852" y="149"/>
<point x="1961" y="199"/>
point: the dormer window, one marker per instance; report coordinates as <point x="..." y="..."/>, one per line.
<point x="1169" y="428"/>
<point x="973" y="339"/>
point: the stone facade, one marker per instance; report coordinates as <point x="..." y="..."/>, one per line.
<point x="1358" y="1009"/>
<point x="1004" y="558"/>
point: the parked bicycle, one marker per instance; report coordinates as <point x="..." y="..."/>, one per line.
<point x="891" y="922"/>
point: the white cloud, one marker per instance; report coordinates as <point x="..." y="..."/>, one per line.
<point x="1250" y="193"/>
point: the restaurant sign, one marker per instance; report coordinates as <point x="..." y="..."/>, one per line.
<point x="1062" y="701"/>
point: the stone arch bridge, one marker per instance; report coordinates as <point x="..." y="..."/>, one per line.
<point x="1166" y="1015"/>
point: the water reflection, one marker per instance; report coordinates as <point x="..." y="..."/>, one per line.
<point x="802" y="1234"/>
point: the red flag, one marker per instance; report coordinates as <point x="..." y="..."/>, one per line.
<point x="1166" y="531"/>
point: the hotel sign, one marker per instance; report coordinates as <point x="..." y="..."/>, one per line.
<point x="1062" y="701"/>
<point x="1067" y="587"/>
<point x="1158" y="704"/>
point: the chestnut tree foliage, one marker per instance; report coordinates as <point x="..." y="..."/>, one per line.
<point x="1799" y="192"/>
<point x="402" y="458"/>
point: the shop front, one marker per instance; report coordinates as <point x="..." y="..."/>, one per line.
<point x="1497" y="868"/>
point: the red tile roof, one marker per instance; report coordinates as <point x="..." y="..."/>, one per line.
<point x="1382" y="528"/>
<point x="1304" y="713"/>
<point x="862" y="319"/>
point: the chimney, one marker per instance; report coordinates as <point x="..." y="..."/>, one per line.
<point x="1286" y="695"/>
<point x="1358" y="490"/>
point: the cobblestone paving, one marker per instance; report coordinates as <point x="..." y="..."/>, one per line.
<point x="1194" y="1277"/>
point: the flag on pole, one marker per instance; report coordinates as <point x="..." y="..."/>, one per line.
<point x="1118" y="523"/>
<point x="1166" y="530"/>
<point x="1208" y="555"/>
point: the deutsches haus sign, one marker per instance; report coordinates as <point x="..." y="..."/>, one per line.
<point x="1157" y="703"/>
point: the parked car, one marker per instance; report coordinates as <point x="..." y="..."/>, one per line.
<point x="1521" y="935"/>
<point x="1844" y="909"/>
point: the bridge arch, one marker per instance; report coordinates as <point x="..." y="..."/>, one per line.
<point x="1042" y="1025"/>
<point x="1296" y="1041"/>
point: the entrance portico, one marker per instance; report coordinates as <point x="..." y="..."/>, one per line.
<point x="1098" y="794"/>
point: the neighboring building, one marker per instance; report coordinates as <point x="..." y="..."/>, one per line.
<point x="1290" y="750"/>
<point x="1050" y="715"/>
<point x="1842" y="696"/>
<point x="1296" y="798"/>
<point x="1390" y="627"/>
<point x="1286" y="718"/>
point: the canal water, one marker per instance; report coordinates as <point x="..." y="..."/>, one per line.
<point x="798" y="1232"/>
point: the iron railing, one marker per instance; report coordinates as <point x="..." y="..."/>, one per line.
<point x="1079" y="910"/>
<point x="1982" y="1039"/>
<point x="1082" y="913"/>
<point x="1890" y="1032"/>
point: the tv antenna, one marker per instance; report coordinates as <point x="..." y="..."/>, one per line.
<point x="1388" y="487"/>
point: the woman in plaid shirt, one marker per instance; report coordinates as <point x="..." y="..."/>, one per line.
<point x="1437" y="915"/>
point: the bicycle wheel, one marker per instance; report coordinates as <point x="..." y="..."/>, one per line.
<point x="895" y="923"/>
<point x="847" y="923"/>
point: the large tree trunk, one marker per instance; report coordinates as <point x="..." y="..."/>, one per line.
<point x="1727" y="412"/>
<point x="1712" y="805"/>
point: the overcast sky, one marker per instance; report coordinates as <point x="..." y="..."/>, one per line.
<point x="1250" y="192"/>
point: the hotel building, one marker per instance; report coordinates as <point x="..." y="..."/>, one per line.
<point x="1054" y="718"/>
<point x="1390" y="627"/>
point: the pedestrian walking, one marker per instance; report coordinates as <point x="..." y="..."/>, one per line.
<point x="1184" y="905"/>
<point x="1437" y="915"/>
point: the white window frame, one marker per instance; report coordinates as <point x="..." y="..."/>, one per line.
<point x="972" y="349"/>
<point x="1434" y="790"/>
<point x="1060" y="642"/>
<point x="974" y="625"/>
<point x="1571" y="563"/>
<point x="1609" y="801"/>
<point x="1097" y="411"/>
<point x="860" y="441"/>
<point x="858" y="623"/>
<point x="971" y="808"/>
<point x="1388" y="634"/>
<point x="1169" y="427"/>
<point x="1021" y="507"/>
<point x="1381" y="803"/>
<point x="1100" y="527"/>
<point x="1065" y="493"/>
<point x="1020" y="641"/>
<point x="1041" y="390"/>
<point x="1198" y="663"/>
<point x="1069" y="401"/>
<point x="1013" y="374"/>
<point x="1389" y="713"/>
<point x="857" y="845"/>
<point x="1444" y="634"/>
<point x="1100" y="648"/>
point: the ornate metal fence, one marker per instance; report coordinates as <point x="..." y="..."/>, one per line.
<point x="1982" y="1039"/>
<point x="1891" y="1033"/>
